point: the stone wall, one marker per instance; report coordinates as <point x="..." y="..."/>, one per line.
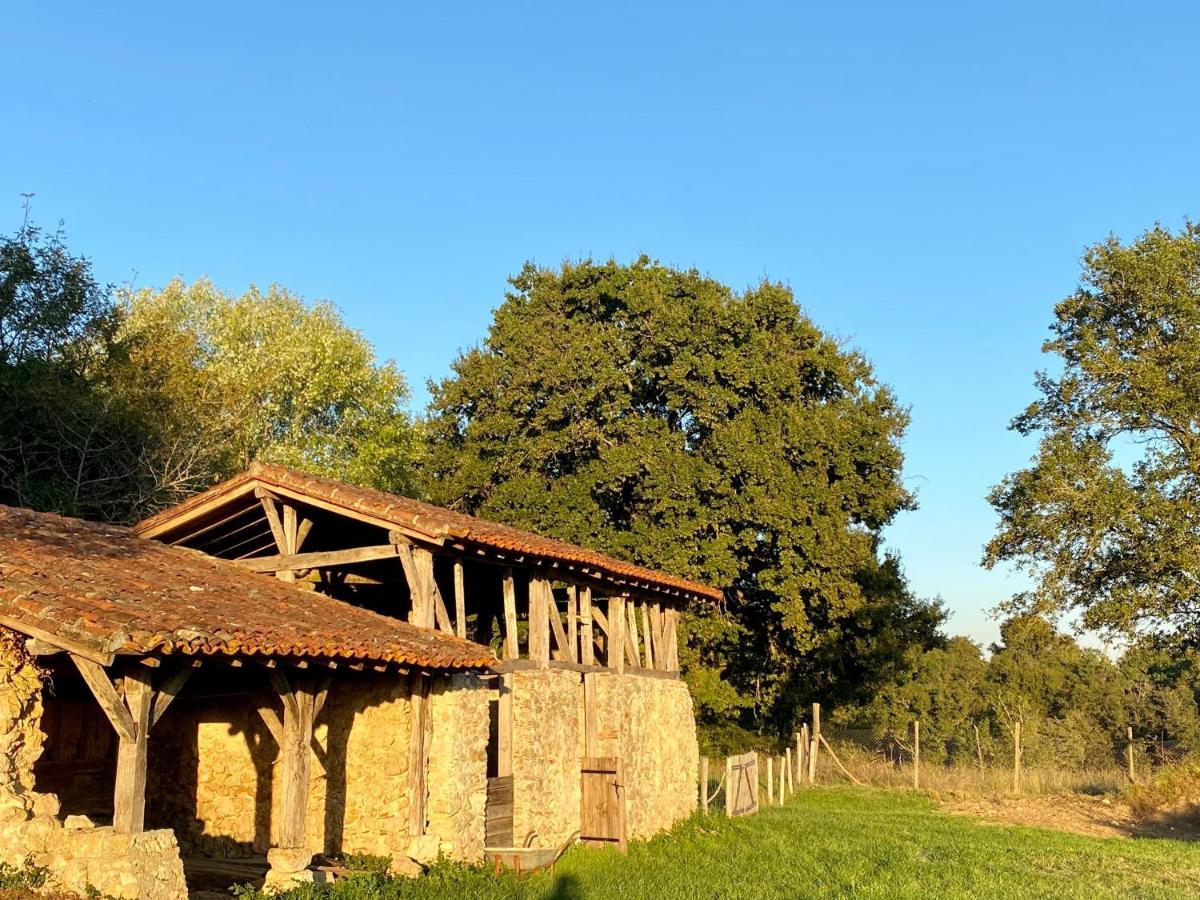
<point x="222" y="784"/>
<point x="458" y="765"/>
<point x="547" y="732"/>
<point x="649" y="723"/>
<point x="145" y="866"/>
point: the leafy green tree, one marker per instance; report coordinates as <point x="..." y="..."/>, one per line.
<point x="1105" y="517"/>
<point x="260" y="376"/>
<point x="68" y="441"/>
<point x="661" y="416"/>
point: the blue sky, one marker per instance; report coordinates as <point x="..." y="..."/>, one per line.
<point x="924" y="175"/>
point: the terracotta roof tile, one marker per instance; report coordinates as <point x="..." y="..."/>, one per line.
<point x="108" y="589"/>
<point x="436" y="522"/>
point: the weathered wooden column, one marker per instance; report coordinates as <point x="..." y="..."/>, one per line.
<point x="418" y="759"/>
<point x="587" y="646"/>
<point x="301" y="705"/>
<point x="616" y="633"/>
<point x="131" y="717"/>
<point x="129" y="792"/>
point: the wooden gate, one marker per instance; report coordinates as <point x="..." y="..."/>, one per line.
<point x="602" y="814"/>
<point x="741" y="785"/>
<point x="498" y="819"/>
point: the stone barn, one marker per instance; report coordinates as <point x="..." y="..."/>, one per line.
<point x="156" y="700"/>
<point x="588" y="644"/>
<point x="284" y="669"/>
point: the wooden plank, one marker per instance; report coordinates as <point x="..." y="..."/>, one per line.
<point x="632" y="654"/>
<point x="572" y="623"/>
<point x="169" y="690"/>
<point x="460" y="600"/>
<point x="511" y="639"/>
<point x="560" y="635"/>
<point x="498" y="818"/>
<point x="277" y="532"/>
<point x="418" y="760"/>
<point x="598" y="616"/>
<point x="671" y="637"/>
<point x="587" y="647"/>
<point x="77" y="649"/>
<point x="106" y="696"/>
<point x="504" y="727"/>
<point x="591" y="715"/>
<point x="704" y="785"/>
<point x="325" y="559"/>
<point x="539" y="626"/>
<point x="616" y="633"/>
<point x="648" y="632"/>
<point x="274" y="724"/>
<point x="129" y="789"/>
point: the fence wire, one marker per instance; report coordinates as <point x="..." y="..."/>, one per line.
<point x="980" y="757"/>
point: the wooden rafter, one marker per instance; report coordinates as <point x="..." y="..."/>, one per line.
<point x="324" y="559"/>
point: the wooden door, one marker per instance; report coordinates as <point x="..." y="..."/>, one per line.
<point x="602" y="813"/>
<point x="741" y="784"/>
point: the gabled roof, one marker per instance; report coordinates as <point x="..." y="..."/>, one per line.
<point x="104" y="589"/>
<point x="433" y="522"/>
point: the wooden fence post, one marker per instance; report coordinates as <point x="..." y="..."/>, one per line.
<point x="729" y="787"/>
<point x="704" y="785"/>
<point x="805" y="746"/>
<point x="1016" y="756"/>
<point x="1129" y="752"/>
<point x="787" y="755"/>
<point x="812" y="747"/>
<point x="916" y="754"/>
<point x="770" y="779"/>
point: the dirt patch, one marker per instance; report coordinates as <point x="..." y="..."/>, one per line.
<point x="1080" y="814"/>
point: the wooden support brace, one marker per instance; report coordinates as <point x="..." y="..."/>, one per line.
<point x="511" y="643"/>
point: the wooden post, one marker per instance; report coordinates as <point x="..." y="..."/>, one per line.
<point x="131" y="717"/>
<point x="1017" y="756"/>
<point x="587" y="646"/>
<point x="631" y="616"/>
<point x="572" y="623"/>
<point x="460" y="600"/>
<point x="539" y="621"/>
<point x="418" y="757"/>
<point x="812" y="747"/>
<point x="729" y="790"/>
<point x="504" y="726"/>
<point x="787" y="756"/>
<point x="800" y="743"/>
<point x="1129" y="753"/>
<point x="295" y="760"/>
<point x="616" y="633"/>
<point x="782" y="780"/>
<point x="512" y="648"/>
<point x="129" y="794"/>
<point x="648" y="635"/>
<point x="770" y="779"/>
<point x="916" y="754"/>
<point x="703" y="784"/>
<point x="805" y="749"/>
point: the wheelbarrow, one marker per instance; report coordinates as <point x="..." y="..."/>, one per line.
<point x="527" y="858"/>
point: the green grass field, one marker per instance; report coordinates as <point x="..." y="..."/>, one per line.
<point x="832" y="842"/>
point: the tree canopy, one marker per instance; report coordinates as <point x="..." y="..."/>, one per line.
<point x="1106" y="516"/>
<point x="115" y="405"/>
<point x="658" y="415"/>
<point x="264" y="376"/>
<point x="68" y="440"/>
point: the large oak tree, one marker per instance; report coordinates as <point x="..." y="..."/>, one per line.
<point x="663" y="417"/>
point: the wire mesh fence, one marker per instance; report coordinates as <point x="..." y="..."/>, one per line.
<point x="985" y="757"/>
